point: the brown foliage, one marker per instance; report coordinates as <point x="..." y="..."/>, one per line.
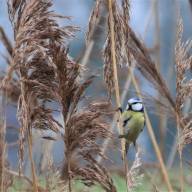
<point x="35" y="31"/>
<point x="46" y="74"/>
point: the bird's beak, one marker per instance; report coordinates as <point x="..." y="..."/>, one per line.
<point x="119" y="109"/>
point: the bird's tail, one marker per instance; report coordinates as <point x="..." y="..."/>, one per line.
<point x="126" y="144"/>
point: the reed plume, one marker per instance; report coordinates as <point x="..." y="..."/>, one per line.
<point x="93" y="20"/>
<point x="35" y="30"/>
<point x="183" y="84"/>
<point x="120" y="38"/>
<point x="47" y="74"/>
<point x="42" y="78"/>
<point x="83" y="130"/>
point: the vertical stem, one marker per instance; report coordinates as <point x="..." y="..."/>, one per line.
<point x="162" y="119"/>
<point x="115" y="76"/>
<point x="180" y="155"/>
<point x="69" y="171"/>
<point x="67" y="152"/>
<point x="153" y="139"/>
<point x="181" y="169"/>
<point x="2" y="139"/>
<point x="113" y="124"/>
<point x="173" y="151"/>
<point x="29" y="140"/>
<point x="114" y="63"/>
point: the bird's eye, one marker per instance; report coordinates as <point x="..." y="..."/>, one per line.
<point x="137" y="107"/>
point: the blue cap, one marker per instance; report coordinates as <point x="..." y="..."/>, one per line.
<point x="134" y="100"/>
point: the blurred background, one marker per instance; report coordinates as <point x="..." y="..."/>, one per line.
<point x="155" y="22"/>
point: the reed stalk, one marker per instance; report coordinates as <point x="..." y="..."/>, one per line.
<point x="152" y="136"/>
<point x="34" y="176"/>
<point x="180" y="151"/>
<point x="113" y="124"/>
<point x="115" y="76"/>
<point x="2" y="140"/>
<point x="158" y="66"/>
<point x="116" y="84"/>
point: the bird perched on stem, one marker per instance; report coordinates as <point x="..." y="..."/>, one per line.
<point x="133" y="121"/>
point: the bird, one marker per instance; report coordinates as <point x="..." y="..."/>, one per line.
<point x="133" y="121"/>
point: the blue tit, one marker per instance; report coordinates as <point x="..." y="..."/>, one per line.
<point x="133" y="121"/>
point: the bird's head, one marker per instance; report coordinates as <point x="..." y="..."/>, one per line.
<point x="135" y="104"/>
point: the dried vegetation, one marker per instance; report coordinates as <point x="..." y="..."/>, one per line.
<point x="41" y="74"/>
<point x="46" y="74"/>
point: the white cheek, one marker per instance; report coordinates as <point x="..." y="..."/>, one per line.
<point x="137" y="107"/>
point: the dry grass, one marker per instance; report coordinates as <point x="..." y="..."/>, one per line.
<point x="89" y="127"/>
<point x="183" y="88"/>
<point x="2" y="141"/>
<point x="47" y="74"/>
<point x="41" y="74"/>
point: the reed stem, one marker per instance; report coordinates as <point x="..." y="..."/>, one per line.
<point x="116" y="84"/>
<point x="113" y="124"/>
<point x="114" y="63"/>
<point x="152" y="136"/>
<point x="2" y="139"/>
<point x="29" y="140"/>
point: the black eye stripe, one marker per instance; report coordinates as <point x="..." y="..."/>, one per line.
<point x="135" y="103"/>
